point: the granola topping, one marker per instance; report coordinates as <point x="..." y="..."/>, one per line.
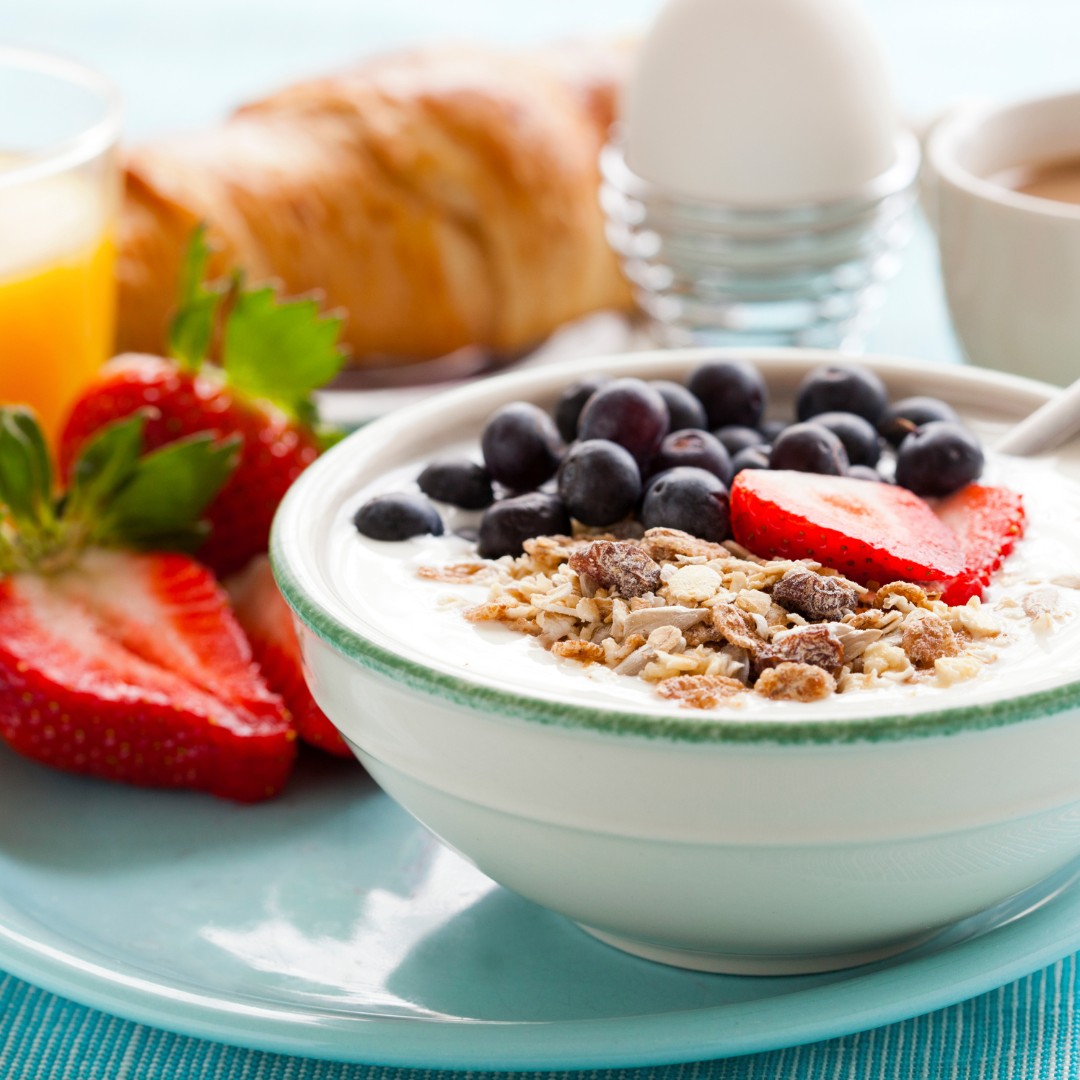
<point x="711" y="626"/>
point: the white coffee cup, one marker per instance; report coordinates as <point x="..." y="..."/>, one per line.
<point x="1010" y="261"/>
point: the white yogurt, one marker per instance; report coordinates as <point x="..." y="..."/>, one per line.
<point x="424" y="620"/>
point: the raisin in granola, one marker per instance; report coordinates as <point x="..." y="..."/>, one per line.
<point x="814" y="597"/>
<point x="814" y="645"/>
<point x="618" y="566"/>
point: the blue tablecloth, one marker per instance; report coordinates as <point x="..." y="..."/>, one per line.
<point x="181" y="65"/>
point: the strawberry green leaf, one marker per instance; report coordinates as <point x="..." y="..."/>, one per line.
<point x="25" y="469"/>
<point x="10" y="560"/>
<point x="280" y="350"/>
<point x="26" y="423"/>
<point x="161" y="503"/>
<point x="196" y="261"/>
<point x="192" y="327"/>
<point x="328" y="435"/>
<point x="105" y="464"/>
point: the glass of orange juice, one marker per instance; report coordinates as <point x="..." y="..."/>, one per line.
<point x="59" y="197"/>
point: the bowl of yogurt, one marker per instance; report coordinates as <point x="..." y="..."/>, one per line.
<point x="754" y="834"/>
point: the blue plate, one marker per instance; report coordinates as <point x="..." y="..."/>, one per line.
<point x="329" y="924"/>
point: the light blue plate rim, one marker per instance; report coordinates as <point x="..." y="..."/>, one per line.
<point x="1023" y="939"/>
<point x="978" y="956"/>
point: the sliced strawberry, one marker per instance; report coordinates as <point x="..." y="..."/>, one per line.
<point x="987" y="521"/>
<point x="867" y="530"/>
<point x="262" y="612"/>
<point x="131" y="667"/>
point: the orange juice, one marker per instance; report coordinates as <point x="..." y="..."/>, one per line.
<point x="57" y="290"/>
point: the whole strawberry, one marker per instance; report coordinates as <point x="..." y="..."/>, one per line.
<point x="118" y="658"/>
<point x="272" y="355"/>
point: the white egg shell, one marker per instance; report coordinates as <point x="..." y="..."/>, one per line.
<point x="760" y="102"/>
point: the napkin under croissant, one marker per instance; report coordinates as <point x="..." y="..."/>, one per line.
<point x="441" y="198"/>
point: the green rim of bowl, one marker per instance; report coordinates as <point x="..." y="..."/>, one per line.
<point x="464" y="693"/>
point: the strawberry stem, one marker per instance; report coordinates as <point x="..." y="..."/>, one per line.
<point x="191" y="330"/>
<point x="277" y="350"/>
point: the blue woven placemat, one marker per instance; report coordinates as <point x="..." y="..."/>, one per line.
<point x="1026" y="1030"/>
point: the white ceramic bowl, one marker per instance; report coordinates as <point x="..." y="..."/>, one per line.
<point x="751" y="847"/>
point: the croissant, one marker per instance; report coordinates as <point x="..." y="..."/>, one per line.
<point x="441" y="198"/>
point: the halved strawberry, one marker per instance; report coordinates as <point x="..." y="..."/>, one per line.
<point x="987" y="521"/>
<point x="273" y="355"/>
<point x="117" y="663"/>
<point x="867" y="530"/>
<point x="131" y="667"/>
<point x="267" y="621"/>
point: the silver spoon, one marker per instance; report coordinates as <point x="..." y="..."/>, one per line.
<point x="1047" y="427"/>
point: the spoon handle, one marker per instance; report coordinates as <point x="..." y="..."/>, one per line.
<point x="1047" y="427"/>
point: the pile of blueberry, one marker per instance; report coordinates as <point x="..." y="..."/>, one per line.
<point x="667" y="453"/>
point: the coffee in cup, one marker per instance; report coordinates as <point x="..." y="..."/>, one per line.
<point x="1005" y="202"/>
<point x="1057" y="179"/>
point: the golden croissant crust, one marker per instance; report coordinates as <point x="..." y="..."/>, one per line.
<point x="441" y="198"/>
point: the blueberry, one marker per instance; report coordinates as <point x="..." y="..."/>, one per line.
<point x="689" y="499"/>
<point x="599" y="482"/>
<point x="397" y="516"/>
<point x="457" y="481"/>
<point x="770" y="429"/>
<point x="507" y="524"/>
<point x="902" y="417"/>
<point x="696" y="448"/>
<point x="938" y="458"/>
<point x="647" y="486"/>
<point x="572" y="401"/>
<point x="628" y="412"/>
<point x="864" y="472"/>
<point x="521" y="446"/>
<point x="684" y="410"/>
<point x="859" y="436"/>
<point x="750" y="457"/>
<point x="841" y="389"/>
<point x="735" y="437"/>
<point x="809" y="448"/>
<point x="732" y="391"/>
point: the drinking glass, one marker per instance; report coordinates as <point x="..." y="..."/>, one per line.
<point x="59" y="195"/>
